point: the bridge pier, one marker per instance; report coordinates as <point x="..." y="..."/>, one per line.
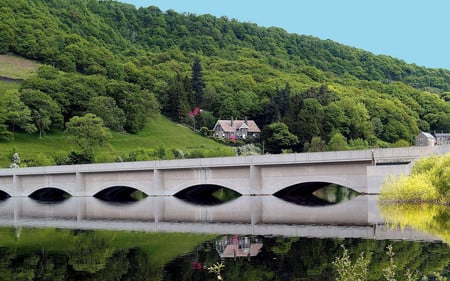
<point x="255" y="180"/>
<point x="158" y="182"/>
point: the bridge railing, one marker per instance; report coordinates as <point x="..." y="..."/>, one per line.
<point x="388" y="155"/>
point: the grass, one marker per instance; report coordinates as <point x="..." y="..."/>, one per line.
<point x="7" y="85"/>
<point x="159" y="132"/>
<point x="15" y="67"/>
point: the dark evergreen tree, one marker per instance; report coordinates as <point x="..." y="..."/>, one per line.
<point x="197" y="81"/>
<point x="178" y="106"/>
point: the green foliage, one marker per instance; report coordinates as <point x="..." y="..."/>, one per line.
<point x="88" y="131"/>
<point x="337" y="142"/>
<point x="146" y="60"/>
<point x="40" y="159"/>
<point x="106" y="108"/>
<point x="428" y="182"/>
<point x="316" y="145"/>
<point x="348" y="270"/>
<point x="277" y="137"/>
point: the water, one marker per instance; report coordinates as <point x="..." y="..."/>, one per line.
<point x="243" y="238"/>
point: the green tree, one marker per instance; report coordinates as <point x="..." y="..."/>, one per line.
<point x="358" y="119"/>
<point x="198" y="84"/>
<point x="178" y="106"/>
<point x="276" y="137"/>
<point x="310" y="120"/>
<point x="106" y="108"/>
<point x="4" y="133"/>
<point x="337" y="142"/>
<point x="18" y="115"/>
<point x="316" y="145"/>
<point x="45" y="112"/>
<point x="88" y="131"/>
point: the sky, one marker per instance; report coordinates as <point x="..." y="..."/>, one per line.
<point x="416" y="31"/>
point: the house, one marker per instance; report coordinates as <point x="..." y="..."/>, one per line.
<point x="236" y="129"/>
<point x="425" y="139"/>
<point x="442" y="138"/>
<point x="238" y="246"/>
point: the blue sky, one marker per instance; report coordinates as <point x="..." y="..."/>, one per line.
<point x="416" y="31"/>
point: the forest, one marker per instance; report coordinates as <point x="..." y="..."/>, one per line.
<point x="125" y="64"/>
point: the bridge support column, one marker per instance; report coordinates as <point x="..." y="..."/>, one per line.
<point x="80" y="189"/>
<point x="255" y="181"/>
<point x="256" y="209"/>
<point x="157" y="183"/>
<point x="17" y="186"/>
<point x="81" y="209"/>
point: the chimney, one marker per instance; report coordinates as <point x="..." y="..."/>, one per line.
<point x="245" y="120"/>
<point x="231" y="122"/>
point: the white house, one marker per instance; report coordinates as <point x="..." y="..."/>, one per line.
<point x="238" y="129"/>
<point x="425" y="139"/>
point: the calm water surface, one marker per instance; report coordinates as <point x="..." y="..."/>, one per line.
<point x="247" y="238"/>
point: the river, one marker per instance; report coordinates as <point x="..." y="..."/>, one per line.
<point x="246" y="238"/>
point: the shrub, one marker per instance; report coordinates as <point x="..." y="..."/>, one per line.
<point x="416" y="187"/>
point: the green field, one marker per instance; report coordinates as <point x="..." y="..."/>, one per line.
<point x="4" y="86"/>
<point x="15" y="67"/>
<point x="158" y="133"/>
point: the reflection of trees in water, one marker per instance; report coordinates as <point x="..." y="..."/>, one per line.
<point x="430" y="218"/>
<point x="92" y="252"/>
<point x="316" y="194"/>
<point x="49" y="254"/>
<point x="61" y="255"/>
<point x="312" y="259"/>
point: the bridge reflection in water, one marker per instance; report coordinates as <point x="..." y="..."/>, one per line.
<point x="246" y="215"/>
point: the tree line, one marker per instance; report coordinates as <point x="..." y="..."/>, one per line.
<point x="124" y="64"/>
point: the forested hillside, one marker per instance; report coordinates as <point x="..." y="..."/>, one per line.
<point x="125" y="65"/>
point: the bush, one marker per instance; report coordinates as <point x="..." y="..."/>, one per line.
<point x="429" y="182"/>
<point x="41" y="160"/>
<point x="412" y="188"/>
<point x="84" y="157"/>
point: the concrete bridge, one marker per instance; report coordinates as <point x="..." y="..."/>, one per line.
<point x="361" y="170"/>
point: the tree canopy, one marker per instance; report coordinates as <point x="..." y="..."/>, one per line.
<point x="139" y="61"/>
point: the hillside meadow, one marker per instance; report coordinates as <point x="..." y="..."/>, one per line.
<point x="16" y="67"/>
<point x="159" y="139"/>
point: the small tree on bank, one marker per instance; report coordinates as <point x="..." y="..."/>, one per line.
<point x="88" y="131"/>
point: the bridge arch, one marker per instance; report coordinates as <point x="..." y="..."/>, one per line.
<point x="4" y="195"/>
<point x="339" y="180"/>
<point x="119" y="193"/>
<point x="50" y="194"/>
<point x="95" y="189"/>
<point x="207" y="194"/>
<point x="176" y="188"/>
<point x="38" y="188"/>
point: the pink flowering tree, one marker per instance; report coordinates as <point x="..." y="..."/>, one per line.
<point x="194" y="113"/>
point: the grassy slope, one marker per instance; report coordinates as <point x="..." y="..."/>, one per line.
<point x="16" y="67"/>
<point x="158" y="132"/>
